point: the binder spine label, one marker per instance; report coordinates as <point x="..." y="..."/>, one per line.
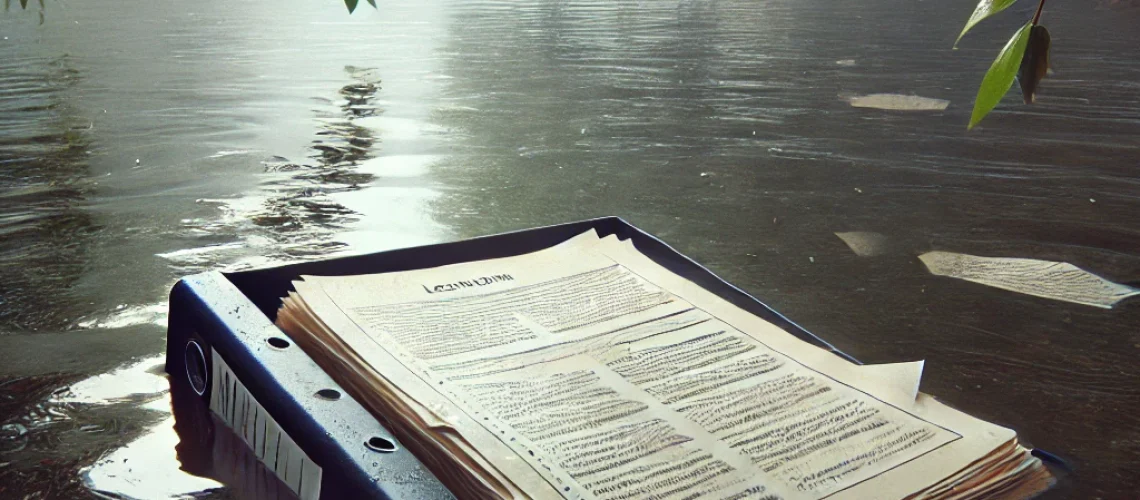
<point x="235" y="406"/>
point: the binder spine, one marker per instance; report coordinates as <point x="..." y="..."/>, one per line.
<point x="238" y="366"/>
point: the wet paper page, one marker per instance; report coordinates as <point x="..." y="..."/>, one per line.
<point x="976" y="438"/>
<point x="426" y="402"/>
<point x="426" y="430"/>
<point x="1040" y="278"/>
<point x="480" y="323"/>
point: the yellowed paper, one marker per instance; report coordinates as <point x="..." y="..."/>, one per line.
<point x="587" y="370"/>
<point x="977" y="437"/>
<point x="1040" y="278"/>
<point x="503" y="323"/>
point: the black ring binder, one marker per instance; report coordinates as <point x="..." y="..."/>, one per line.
<point x="230" y="317"/>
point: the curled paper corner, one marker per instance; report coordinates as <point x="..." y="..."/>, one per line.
<point x="1040" y="278"/>
<point x="895" y="383"/>
<point x="864" y="243"/>
<point x="918" y="367"/>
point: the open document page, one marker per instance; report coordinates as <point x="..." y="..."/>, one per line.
<point x="589" y="371"/>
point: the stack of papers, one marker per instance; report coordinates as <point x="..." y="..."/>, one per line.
<point x="587" y="370"/>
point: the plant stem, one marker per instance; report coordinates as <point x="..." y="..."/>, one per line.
<point x="1037" y="15"/>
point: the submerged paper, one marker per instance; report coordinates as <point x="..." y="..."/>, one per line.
<point x="899" y="102"/>
<point x="1040" y="278"/>
<point x="863" y="243"/>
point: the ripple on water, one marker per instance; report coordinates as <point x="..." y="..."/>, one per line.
<point x="44" y="233"/>
<point x="125" y="316"/>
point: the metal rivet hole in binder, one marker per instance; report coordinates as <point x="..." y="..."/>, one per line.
<point x="382" y="445"/>
<point x="277" y="342"/>
<point x="196" y="371"/>
<point x="266" y="395"/>
<point x="329" y="394"/>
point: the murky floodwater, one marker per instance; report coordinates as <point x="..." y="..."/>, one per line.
<point x="144" y="140"/>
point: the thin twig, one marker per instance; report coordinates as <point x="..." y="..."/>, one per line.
<point x="1037" y="15"/>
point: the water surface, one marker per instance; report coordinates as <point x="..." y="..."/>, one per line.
<point x="141" y="141"/>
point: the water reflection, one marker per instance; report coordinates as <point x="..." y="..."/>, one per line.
<point x="190" y="452"/>
<point x="51" y="419"/>
<point x="294" y="215"/>
<point x="44" y="235"/>
<point x="207" y="448"/>
<point x="720" y="126"/>
<point x="297" y="217"/>
<point x="305" y="200"/>
<point x="24" y="6"/>
<point x="222" y="137"/>
<point x="724" y="127"/>
<point x="177" y="449"/>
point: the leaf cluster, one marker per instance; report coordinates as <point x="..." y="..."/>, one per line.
<point x="1025" y="58"/>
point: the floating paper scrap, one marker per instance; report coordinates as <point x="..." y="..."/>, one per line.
<point x="1040" y="278"/>
<point x="899" y="102"/>
<point x="864" y="244"/>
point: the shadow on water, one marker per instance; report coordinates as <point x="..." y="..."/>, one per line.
<point x="44" y="232"/>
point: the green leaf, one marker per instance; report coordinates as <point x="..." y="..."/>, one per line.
<point x="373" y="2"/>
<point x="985" y="8"/>
<point x="23" y="4"/>
<point x="351" y="4"/>
<point x="999" y="78"/>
